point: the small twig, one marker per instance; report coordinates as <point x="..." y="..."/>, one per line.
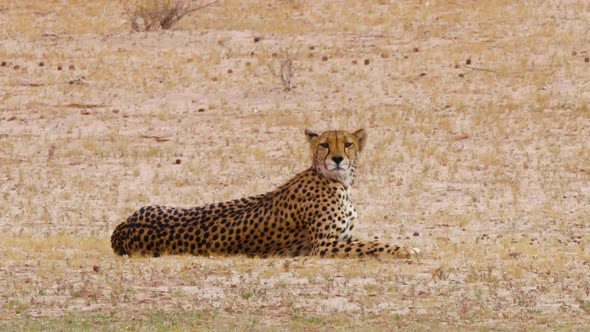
<point x="254" y="48"/>
<point x="202" y="6"/>
<point x="156" y="138"/>
<point x="50" y="35"/>
<point x="481" y="69"/>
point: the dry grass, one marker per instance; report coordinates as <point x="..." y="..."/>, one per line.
<point x="154" y="15"/>
<point x="483" y="165"/>
<point x="283" y="69"/>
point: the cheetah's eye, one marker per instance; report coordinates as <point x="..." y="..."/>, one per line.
<point x="325" y="145"/>
<point x="347" y="144"/>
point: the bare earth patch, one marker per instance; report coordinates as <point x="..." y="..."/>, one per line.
<point x="478" y="119"/>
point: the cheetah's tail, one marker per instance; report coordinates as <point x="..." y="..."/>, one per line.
<point x="118" y="241"/>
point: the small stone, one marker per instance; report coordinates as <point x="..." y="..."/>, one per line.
<point x="416" y="49"/>
<point x="367" y="61"/>
<point x="468" y="61"/>
<point x="324" y="58"/>
<point x="3" y="64"/>
<point x="41" y="64"/>
<point x="96" y="268"/>
<point x="16" y="67"/>
<point x="59" y="67"/>
<point x="416" y="234"/>
<point x="311" y="48"/>
<point x="201" y="110"/>
<point x="178" y="161"/>
<point x="354" y="62"/>
<point x="586" y="59"/>
<point x="422" y="74"/>
<point x="229" y="71"/>
<point x="257" y="39"/>
<point x="461" y="75"/>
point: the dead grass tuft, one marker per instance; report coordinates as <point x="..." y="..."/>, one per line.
<point x="150" y="15"/>
<point x="283" y="69"/>
<point x="484" y="166"/>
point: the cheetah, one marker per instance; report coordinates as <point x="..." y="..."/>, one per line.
<point x="311" y="214"/>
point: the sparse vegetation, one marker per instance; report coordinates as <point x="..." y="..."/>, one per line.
<point x="486" y="171"/>
<point x="281" y="66"/>
<point x="149" y="15"/>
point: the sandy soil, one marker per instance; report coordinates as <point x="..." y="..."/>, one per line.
<point x="478" y="154"/>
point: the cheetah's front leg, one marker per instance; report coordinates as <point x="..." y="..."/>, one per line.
<point x="358" y="248"/>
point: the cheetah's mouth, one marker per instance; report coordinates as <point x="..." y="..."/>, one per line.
<point x="337" y="168"/>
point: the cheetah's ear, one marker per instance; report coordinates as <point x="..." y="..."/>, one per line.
<point x="361" y="135"/>
<point x="310" y="134"/>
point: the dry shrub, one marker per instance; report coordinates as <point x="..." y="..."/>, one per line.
<point x="150" y="15"/>
<point x="283" y="69"/>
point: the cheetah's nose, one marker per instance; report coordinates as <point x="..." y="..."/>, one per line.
<point x="337" y="159"/>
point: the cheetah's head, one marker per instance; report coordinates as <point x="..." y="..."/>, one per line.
<point x="335" y="153"/>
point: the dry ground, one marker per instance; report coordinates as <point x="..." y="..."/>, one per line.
<point x="479" y="122"/>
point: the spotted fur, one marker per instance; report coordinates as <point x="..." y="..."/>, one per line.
<point x="312" y="214"/>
